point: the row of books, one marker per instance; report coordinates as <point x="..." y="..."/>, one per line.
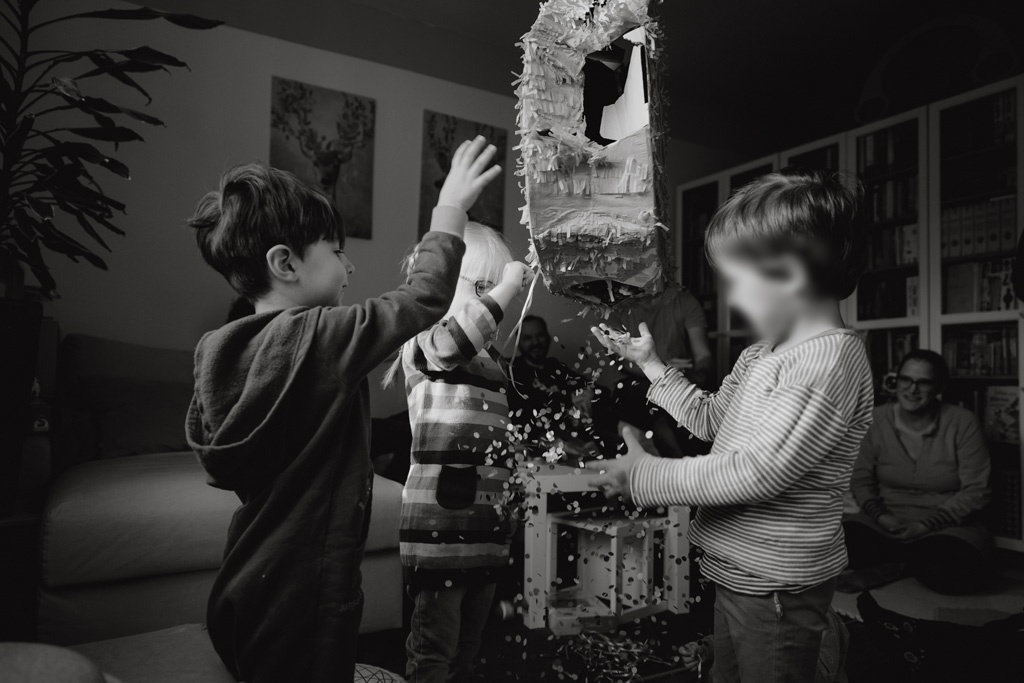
<point x="889" y="298"/>
<point x="892" y="199"/>
<point x="1004" y="114"/>
<point x="982" y="353"/>
<point x="893" y="246"/>
<point x="979" y="286"/>
<point x="887" y="151"/>
<point x="982" y="228"/>
<point x="1002" y="413"/>
<point x="888" y="347"/>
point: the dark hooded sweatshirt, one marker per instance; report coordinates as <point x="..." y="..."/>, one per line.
<point x="281" y="417"/>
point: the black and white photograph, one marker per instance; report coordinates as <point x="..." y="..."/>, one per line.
<point x="534" y="341"/>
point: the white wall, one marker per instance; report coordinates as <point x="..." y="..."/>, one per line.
<point x="158" y="291"/>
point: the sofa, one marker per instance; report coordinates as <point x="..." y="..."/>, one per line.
<point x="132" y="535"/>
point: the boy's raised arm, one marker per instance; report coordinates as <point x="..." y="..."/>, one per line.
<point x="462" y="336"/>
<point x="697" y="410"/>
<point x="357" y="339"/>
<point x="801" y="428"/>
<point x="701" y="412"/>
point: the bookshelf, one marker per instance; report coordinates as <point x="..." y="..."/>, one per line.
<point x="889" y="307"/>
<point x="976" y="199"/>
<point x="944" y="187"/>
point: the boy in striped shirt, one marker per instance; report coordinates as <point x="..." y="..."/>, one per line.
<point x="786" y="424"/>
<point x="454" y="532"/>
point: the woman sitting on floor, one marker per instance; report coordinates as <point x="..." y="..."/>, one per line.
<point x="921" y="480"/>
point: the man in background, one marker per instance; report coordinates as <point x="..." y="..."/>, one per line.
<point x="546" y="396"/>
<point x="676" y="321"/>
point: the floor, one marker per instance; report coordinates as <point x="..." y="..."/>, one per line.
<point x="1004" y="597"/>
<point x="510" y="652"/>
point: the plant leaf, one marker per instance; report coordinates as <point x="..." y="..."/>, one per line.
<point x="57" y="241"/>
<point x="41" y="209"/>
<point x="85" y="152"/>
<point x="27" y="238"/>
<point x="111" y="134"/>
<point x="65" y="186"/>
<point x="147" y="55"/>
<point x="89" y="229"/>
<point x="67" y="87"/>
<point x="117" y="70"/>
<point x="145" y="13"/>
<point x="94" y="105"/>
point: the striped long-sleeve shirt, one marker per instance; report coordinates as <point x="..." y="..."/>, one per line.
<point x="786" y="428"/>
<point x="451" y="532"/>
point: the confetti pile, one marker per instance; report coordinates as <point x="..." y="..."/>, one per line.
<point x="594" y="211"/>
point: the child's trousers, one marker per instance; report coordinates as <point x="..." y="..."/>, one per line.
<point x="445" y="636"/>
<point x="774" y="638"/>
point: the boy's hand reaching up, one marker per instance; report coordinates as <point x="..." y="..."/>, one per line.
<point x="469" y="174"/>
<point x="639" y="350"/>
<point x="614" y="479"/>
<point x="516" y="277"/>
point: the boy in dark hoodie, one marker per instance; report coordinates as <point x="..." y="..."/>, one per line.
<point x="281" y="410"/>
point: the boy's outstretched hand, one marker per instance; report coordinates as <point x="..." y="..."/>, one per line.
<point x="469" y="174"/>
<point x="639" y="350"/>
<point x="614" y="478"/>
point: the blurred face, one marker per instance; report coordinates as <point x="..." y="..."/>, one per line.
<point x="323" y="273"/>
<point x="916" y="388"/>
<point x="768" y="294"/>
<point x="534" y="342"/>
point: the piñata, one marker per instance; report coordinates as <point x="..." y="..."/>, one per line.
<point x="591" y="145"/>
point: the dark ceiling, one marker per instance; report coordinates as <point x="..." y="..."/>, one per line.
<point x="749" y="76"/>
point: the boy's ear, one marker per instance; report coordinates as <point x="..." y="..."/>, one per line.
<point x="796" y="278"/>
<point x="279" y="261"/>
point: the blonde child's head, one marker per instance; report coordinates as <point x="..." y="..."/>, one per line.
<point x="487" y="254"/>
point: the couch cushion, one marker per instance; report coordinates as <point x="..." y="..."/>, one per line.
<point x="182" y="654"/>
<point x="150" y="515"/>
<point x="131" y="517"/>
<point x="115" y="398"/>
<point x="135" y="417"/>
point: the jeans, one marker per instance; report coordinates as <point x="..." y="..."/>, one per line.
<point x="954" y="561"/>
<point x="445" y="635"/>
<point x="773" y="638"/>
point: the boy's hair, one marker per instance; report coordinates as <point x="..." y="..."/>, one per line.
<point x="256" y="208"/>
<point x="487" y="254"/>
<point x="817" y="215"/>
<point x="938" y="363"/>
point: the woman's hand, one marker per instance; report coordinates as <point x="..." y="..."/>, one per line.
<point x="892" y="524"/>
<point x="639" y="350"/>
<point x="469" y="174"/>
<point x="913" y="531"/>
<point x="614" y="479"/>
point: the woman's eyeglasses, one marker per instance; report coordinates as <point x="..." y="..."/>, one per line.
<point x="481" y="287"/>
<point x="904" y="382"/>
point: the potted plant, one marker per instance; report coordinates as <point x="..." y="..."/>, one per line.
<point x="52" y="163"/>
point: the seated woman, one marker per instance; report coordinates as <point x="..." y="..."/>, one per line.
<point x="921" y="480"/>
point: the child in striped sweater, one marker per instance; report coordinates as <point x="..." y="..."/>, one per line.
<point x="786" y="424"/>
<point x="454" y="537"/>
